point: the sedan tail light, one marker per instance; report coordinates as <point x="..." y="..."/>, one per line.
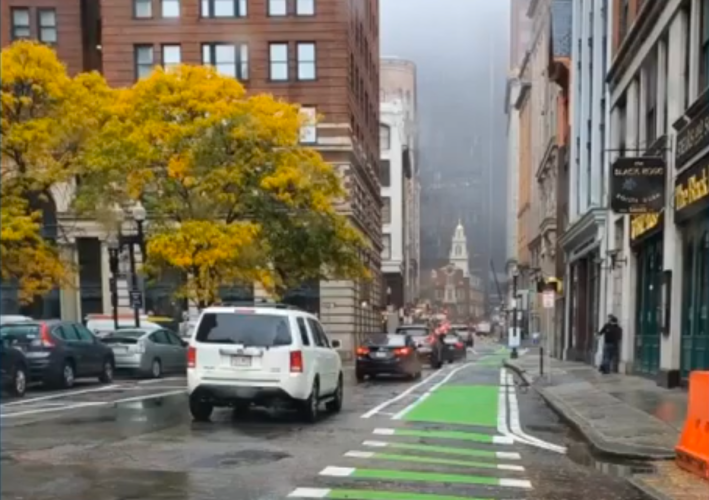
<point x="191" y="357"/>
<point x="362" y="351"/>
<point x="459" y="345"/>
<point x="140" y="346"/>
<point x="402" y="351"/>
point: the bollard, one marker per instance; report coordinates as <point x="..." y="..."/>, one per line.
<point x="514" y="354"/>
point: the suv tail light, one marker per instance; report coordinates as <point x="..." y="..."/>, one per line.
<point x="402" y="351"/>
<point x="296" y="362"/>
<point x="191" y="357"/>
<point x="362" y="351"/>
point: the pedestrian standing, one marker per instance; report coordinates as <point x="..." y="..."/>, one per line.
<point x="612" y="334"/>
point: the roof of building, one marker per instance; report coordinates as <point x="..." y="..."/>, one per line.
<point x="561" y="25"/>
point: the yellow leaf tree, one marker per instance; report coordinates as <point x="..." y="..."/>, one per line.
<point x="47" y="117"/>
<point x="221" y="174"/>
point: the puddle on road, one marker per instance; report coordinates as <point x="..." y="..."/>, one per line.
<point x="581" y="453"/>
<point x="242" y="458"/>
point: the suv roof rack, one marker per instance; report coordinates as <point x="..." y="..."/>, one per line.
<point x="259" y="303"/>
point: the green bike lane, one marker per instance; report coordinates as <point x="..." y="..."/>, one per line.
<point x="443" y="446"/>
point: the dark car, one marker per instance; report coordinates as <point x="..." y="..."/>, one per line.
<point x="390" y="354"/>
<point x="465" y="333"/>
<point x="427" y="346"/>
<point x="13" y="366"/>
<point x="453" y="348"/>
<point x="59" y="352"/>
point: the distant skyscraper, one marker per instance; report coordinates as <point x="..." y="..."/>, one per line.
<point x="520" y="31"/>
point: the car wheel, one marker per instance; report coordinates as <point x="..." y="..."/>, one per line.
<point x="311" y="406"/>
<point x="106" y="376"/>
<point x="68" y="375"/>
<point x="156" y="368"/>
<point x="201" y="410"/>
<point x="336" y="404"/>
<point x="19" y="382"/>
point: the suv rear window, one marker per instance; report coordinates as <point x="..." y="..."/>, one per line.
<point x="22" y="330"/>
<point x="384" y="339"/>
<point x="256" y="330"/>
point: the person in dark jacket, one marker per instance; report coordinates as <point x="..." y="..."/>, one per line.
<point x="612" y="334"/>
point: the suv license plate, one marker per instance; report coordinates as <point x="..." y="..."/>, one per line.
<point x="241" y="361"/>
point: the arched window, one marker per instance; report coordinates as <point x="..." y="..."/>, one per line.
<point x="384" y="137"/>
<point x="458" y="250"/>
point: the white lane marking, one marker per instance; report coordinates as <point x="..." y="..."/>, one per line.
<point x="433" y="389"/>
<point x="518" y="468"/>
<point x="337" y="471"/>
<point x="309" y="493"/>
<point x="37" y="411"/>
<point x="359" y="454"/>
<point x="147" y="396"/>
<point x="508" y="455"/>
<point x="516" y="483"/>
<point x="514" y="419"/>
<point x="376" y="444"/>
<point x="59" y="395"/>
<point x="158" y="380"/>
<point x="503" y="440"/>
<point x="384" y="432"/>
<point x="401" y="396"/>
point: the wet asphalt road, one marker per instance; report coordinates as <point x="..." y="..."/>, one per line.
<point x="135" y="440"/>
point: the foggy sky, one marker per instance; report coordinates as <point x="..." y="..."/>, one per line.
<point x="461" y="51"/>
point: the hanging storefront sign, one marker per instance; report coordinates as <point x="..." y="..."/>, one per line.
<point x="638" y="185"/>
<point x="692" y="191"/>
<point x="692" y="139"/>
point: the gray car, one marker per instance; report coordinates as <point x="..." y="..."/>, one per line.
<point x="147" y="351"/>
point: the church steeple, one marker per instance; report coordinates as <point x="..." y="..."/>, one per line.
<point x="459" y="250"/>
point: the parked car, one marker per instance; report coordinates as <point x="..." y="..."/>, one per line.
<point x="262" y="354"/>
<point x="453" y="348"/>
<point x="13" y="367"/>
<point x="148" y="352"/>
<point x="59" y="352"/>
<point x="428" y="345"/>
<point x="390" y="354"/>
<point x="102" y="325"/>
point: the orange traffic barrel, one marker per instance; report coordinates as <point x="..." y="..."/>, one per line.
<point x="693" y="447"/>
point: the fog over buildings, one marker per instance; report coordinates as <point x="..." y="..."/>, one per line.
<point x="461" y="49"/>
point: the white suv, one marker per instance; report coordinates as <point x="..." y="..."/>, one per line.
<point x="261" y="354"/>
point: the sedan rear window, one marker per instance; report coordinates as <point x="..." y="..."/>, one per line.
<point x="257" y="330"/>
<point x="414" y="332"/>
<point x="388" y="340"/>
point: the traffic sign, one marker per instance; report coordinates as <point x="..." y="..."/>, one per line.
<point x="548" y="298"/>
<point x="136" y="299"/>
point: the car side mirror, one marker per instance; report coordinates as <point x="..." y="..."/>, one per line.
<point x="335" y="344"/>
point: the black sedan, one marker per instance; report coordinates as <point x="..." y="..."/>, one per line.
<point x="59" y="352"/>
<point x="13" y="366"/>
<point x="387" y="354"/>
<point x="453" y="348"/>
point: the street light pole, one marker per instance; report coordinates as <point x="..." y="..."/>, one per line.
<point x="515" y="275"/>
<point x="139" y="214"/>
<point x="113" y="266"/>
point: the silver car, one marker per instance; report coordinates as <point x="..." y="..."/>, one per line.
<point x="148" y="351"/>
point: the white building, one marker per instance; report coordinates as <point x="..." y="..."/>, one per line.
<point x="395" y="168"/>
<point x="584" y="241"/>
<point x="398" y="82"/>
<point x="658" y="99"/>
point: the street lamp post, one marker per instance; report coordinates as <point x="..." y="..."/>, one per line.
<point x="515" y="276"/>
<point x="113" y="283"/>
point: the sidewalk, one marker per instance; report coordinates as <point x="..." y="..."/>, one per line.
<point x="620" y="415"/>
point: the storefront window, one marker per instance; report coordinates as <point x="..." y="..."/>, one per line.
<point x="695" y="297"/>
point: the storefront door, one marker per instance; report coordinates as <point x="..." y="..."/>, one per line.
<point x="695" y="297"/>
<point x="648" y="306"/>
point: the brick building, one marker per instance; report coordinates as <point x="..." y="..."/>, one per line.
<point x="323" y="54"/>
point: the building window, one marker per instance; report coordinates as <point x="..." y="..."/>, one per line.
<point x="651" y="99"/>
<point x="705" y="45"/>
<point x="170" y="8"/>
<point x="227" y="59"/>
<point x="277" y="8"/>
<point x="171" y="56"/>
<point x="305" y="7"/>
<point x="143" y="8"/>
<point x="384" y="137"/>
<point x="20" y="23"/>
<point x="386" y="246"/>
<point x="386" y="210"/>
<point x="306" y="61"/>
<point x="144" y="61"/>
<point x="47" y="22"/>
<point x="224" y="8"/>
<point x="309" y="127"/>
<point x="278" y="61"/>
<point x="623" y="21"/>
<point x="385" y="173"/>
